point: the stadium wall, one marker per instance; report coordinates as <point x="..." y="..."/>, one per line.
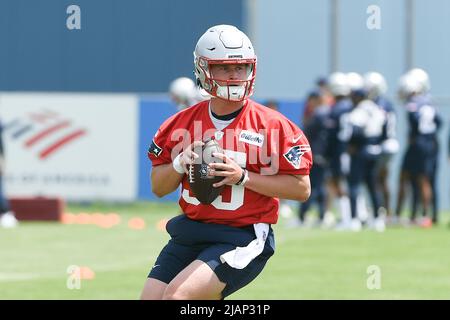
<point x="122" y="46"/>
<point x="75" y="146"/>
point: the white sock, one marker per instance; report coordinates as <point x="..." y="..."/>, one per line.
<point x="361" y="208"/>
<point x="345" y="210"/>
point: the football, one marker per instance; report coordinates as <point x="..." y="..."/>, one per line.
<point x="200" y="181"/>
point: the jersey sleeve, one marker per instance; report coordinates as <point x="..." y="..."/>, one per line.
<point x="161" y="147"/>
<point x="293" y="150"/>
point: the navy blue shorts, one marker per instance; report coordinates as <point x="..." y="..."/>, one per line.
<point x="193" y="240"/>
<point x="409" y="162"/>
<point x="336" y="166"/>
<point x="420" y="158"/>
<point x="426" y="151"/>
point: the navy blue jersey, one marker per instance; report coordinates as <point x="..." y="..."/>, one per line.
<point x="389" y="127"/>
<point x="317" y="132"/>
<point x="338" y="130"/>
<point x="424" y="121"/>
<point x="366" y="121"/>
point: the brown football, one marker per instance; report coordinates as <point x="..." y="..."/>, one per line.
<point x="200" y="181"/>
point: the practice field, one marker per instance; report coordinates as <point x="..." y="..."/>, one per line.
<point x="36" y="259"/>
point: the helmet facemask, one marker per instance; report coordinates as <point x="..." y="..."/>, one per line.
<point x="233" y="90"/>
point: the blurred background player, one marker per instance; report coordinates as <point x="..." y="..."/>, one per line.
<point x="7" y="217"/>
<point x="407" y="88"/>
<point x="321" y="86"/>
<point x="337" y="156"/>
<point x="316" y="130"/>
<point x="365" y="121"/>
<point x="420" y="161"/>
<point x="376" y="88"/>
<point x="184" y="93"/>
<point x="423" y="79"/>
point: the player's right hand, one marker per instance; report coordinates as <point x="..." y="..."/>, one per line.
<point x="188" y="155"/>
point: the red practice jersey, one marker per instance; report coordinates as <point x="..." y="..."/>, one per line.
<point x="259" y="139"/>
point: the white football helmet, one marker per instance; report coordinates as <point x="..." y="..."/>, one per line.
<point x="183" y="92"/>
<point x="408" y="86"/>
<point x="225" y="44"/>
<point x="422" y="77"/>
<point x="375" y="84"/>
<point x="338" y="84"/>
<point x="355" y="81"/>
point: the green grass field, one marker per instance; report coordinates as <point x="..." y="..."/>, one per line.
<point x="414" y="263"/>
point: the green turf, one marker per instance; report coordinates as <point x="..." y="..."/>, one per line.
<point x="308" y="264"/>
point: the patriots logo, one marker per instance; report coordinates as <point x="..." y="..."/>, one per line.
<point x="155" y="149"/>
<point x="294" y="155"/>
<point x="204" y="172"/>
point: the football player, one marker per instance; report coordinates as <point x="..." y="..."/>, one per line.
<point x="321" y="85"/>
<point x="420" y="162"/>
<point x="337" y="156"/>
<point x="423" y="79"/>
<point x="376" y="87"/>
<point x="218" y="248"/>
<point x="366" y="121"/>
<point x="316" y="130"/>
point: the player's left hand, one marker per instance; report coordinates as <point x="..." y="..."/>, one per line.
<point x="228" y="169"/>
